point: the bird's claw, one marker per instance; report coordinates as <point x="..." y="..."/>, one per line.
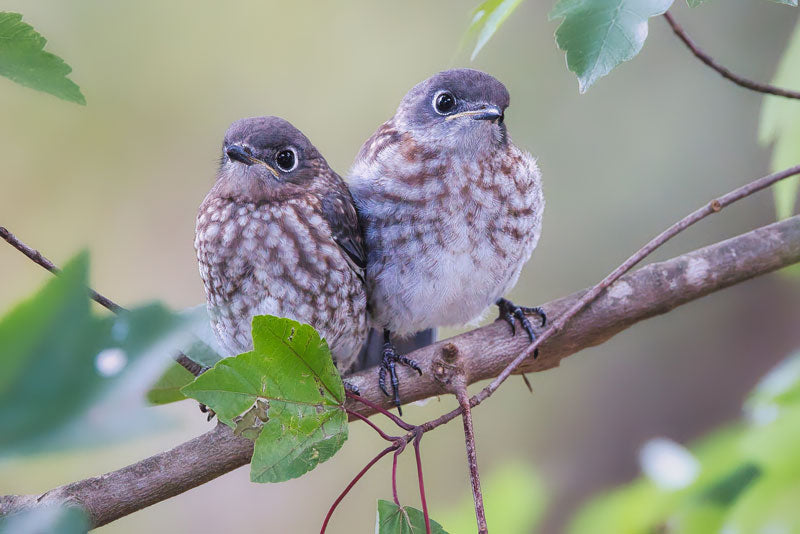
<point x="388" y="364"/>
<point x="206" y="410"/>
<point x="509" y="311"/>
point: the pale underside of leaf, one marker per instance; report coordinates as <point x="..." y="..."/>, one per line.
<point x="598" y="35"/>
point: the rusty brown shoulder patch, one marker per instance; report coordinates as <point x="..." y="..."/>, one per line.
<point x="383" y="137"/>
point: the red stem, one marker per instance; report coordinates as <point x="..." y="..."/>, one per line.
<point x="417" y="439"/>
<point x="352" y="483"/>
<point x="394" y="477"/>
<point x="375" y="427"/>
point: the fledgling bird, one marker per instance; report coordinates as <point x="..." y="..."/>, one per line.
<point x="278" y="234"/>
<point x="451" y="210"/>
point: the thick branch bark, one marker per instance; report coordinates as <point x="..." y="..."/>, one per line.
<point x="652" y="290"/>
<point x="155" y="479"/>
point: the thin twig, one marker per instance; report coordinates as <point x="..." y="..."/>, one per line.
<point x="417" y="439"/>
<point x="472" y="456"/>
<point x="34" y="255"/>
<point x="37" y="257"/>
<point x="394" y="472"/>
<point x="352" y="483"/>
<point x="555" y="326"/>
<point x="724" y="71"/>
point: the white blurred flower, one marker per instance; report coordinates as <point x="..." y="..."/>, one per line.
<point x="668" y="464"/>
<point x="110" y="362"/>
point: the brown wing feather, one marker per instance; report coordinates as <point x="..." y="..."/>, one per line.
<point x="340" y="212"/>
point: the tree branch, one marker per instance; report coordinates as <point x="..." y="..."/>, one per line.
<point x="36" y="257"/>
<point x="650" y="291"/>
<point x="715" y="206"/>
<point x="741" y="81"/>
<point x="120" y="493"/>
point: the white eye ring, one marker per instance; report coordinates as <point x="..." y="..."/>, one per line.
<point x="434" y="102"/>
<point x="295" y="159"/>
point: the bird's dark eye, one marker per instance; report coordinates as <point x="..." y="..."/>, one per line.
<point x="444" y="102"/>
<point x="286" y="160"/>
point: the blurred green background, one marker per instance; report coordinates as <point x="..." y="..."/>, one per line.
<point x="123" y="177"/>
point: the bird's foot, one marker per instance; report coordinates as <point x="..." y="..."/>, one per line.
<point x="510" y="311"/>
<point x="206" y="410"/>
<point x="389" y="361"/>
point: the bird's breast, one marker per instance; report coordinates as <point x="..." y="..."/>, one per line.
<point x="278" y="260"/>
<point x="441" y="257"/>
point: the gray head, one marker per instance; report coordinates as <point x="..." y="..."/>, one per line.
<point x="458" y="108"/>
<point x="266" y="158"/>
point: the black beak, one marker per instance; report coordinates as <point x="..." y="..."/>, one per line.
<point x="240" y="154"/>
<point x="489" y="113"/>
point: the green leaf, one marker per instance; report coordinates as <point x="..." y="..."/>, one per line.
<point x="203" y="349"/>
<point x="780" y="126"/>
<point x="695" y="3"/>
<point x="393" y="519"/>
<point x="770" y="506"/>
<point x="598" y="35"/>
<point x="779" y="388"/>
<point x="23" y="60"/>
<point x="792" y="3"/>
<point x="699" y="518"/>
<point x="59" y="360"/>
<point x="772" y="501"/>
<point x="726" y="490"/>
<point x="487" y="18"/>
<point x="514" y="498"/>
<point x="774" y="444"/>
<point x="43" y="519"/>
<point x="290" y="375"/>
<point x="632" y="509"/>
<point x="168" y="388"/>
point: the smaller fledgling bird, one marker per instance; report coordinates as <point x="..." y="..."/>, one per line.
<point x="451" y="210"/>
<point x="278" y="234"/>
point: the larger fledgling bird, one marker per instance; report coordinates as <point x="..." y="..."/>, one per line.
<point x="278" y="234"/>
<point x="451" y="210"/>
